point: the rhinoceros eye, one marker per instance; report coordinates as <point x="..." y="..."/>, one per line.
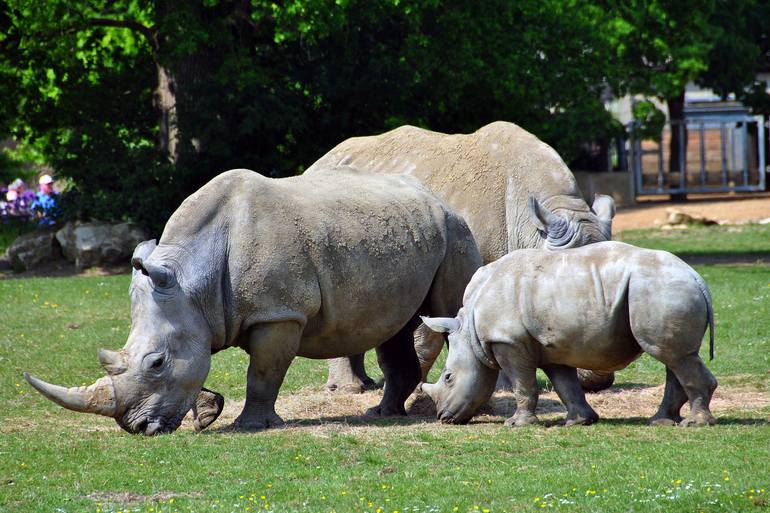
<point x="154" y="362"/>
<point x="448" y="377"/>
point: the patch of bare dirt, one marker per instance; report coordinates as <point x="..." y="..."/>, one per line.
<point x="323" y="413"/>
<point x="135" y="498"/>
<point x="724" y="209"/>
<point x="340" y="412"/>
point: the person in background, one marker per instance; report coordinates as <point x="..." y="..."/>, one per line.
<point x="17" y="201"/>
<point x="46" y="201"/>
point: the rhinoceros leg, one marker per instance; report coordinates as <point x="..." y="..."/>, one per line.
<point x="348" y="374"/>
<point x="699" y="385"/>
<point x="521" y="369"/>
<point x="398" y="360"/>
<point x="565" y="381"/>
<point x="590" y="381"/>
<point x="674" y="398"/>
<point x="272" y="347"/>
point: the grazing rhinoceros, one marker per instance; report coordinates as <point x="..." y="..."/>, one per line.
<point x="596" y="307"/>
<point x="315" y="266"/>
<point x="486" y="177"/>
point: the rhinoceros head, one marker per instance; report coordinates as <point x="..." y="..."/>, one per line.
<point x="465" y="383"/>
<point x="154" y="380"/>
<point x="574" y="228"/>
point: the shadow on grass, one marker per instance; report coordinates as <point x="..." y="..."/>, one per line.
<point x="363" y="421"/>
<point x="726" y="258"/>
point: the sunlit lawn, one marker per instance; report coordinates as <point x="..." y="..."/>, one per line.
<point x="55" y="460"/>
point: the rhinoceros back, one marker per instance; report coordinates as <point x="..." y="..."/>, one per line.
<point x="485" y="176"/>
<point x="352" y="254"/>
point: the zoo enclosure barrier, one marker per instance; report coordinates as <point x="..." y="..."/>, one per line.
<point x="715" y="153"/>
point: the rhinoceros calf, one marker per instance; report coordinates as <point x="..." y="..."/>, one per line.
<point x="315" y="266"/>
<point x="488" y="177"/>
<point x="595" y="307"/>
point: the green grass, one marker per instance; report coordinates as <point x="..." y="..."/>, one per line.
<point x="751" y="240"/>
<point x="55" y="460"/>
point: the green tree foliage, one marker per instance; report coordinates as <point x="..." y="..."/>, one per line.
<point x="741" y="47"/>
<point x="140" y="102"/>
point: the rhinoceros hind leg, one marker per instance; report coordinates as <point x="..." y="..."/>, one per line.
<point x="565" y="381"/>
<point x="398" y="361"/>
<point x="674" y="398"/>
<point x="699" y="385"/>
<point x="272" y="347"/>
<point x="348" y="374"/>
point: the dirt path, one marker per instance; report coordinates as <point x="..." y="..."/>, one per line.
<point x="727" y="209"/>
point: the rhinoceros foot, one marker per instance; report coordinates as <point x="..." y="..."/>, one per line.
<point x="698" y="419"/>
<point x="520" y="420"/>
<point x="257" y="422"/>
<point x="385" y="411"/>
<point x="595" y="381"/>
<point x="348" y="375"/>
<point x="208" y="406"/>
<point x="582" y="420"/>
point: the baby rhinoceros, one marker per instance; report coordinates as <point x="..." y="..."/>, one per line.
<point x="595" y="307"/>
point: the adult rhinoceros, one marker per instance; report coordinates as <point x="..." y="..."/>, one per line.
<point x="487" y="177"/>
<point x="315" y="266"/>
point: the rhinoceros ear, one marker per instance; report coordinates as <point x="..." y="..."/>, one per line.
<point x="144" y="249"/>
<point x="442" y="324"/>
<point x="557" y="229"/>
<point x="603" y="206"/>
<point x="161" y="276"/>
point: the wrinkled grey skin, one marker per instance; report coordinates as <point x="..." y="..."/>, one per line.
<point x="597" y="307"/>
<point x="488" y="178"/>
<point x="315" y="266"/>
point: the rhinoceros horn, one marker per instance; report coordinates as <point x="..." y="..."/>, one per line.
<point x="114" y="362"/>
<point x="97" y="398"/>
<point x="559" y="231"/>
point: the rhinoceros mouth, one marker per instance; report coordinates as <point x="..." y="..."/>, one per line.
<point x="149" y="425"/>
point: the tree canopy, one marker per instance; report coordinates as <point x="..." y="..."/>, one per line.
<point x="139" y="102"/>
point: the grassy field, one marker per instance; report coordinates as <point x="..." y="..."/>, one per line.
<point x="59" y="461"/>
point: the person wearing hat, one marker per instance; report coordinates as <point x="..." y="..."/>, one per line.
<point x="46" y="201"/>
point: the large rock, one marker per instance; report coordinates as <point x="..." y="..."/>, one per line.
<point x="34" y="249"/>
<point x="97" y="243"/>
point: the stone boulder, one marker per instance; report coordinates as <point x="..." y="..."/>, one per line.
<point x="98" y="243"/>
<point x="34" y="249"/>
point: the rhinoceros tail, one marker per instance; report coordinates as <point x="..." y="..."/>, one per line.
<point x="709" y="311"/>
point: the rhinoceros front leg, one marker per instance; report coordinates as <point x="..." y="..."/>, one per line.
<point x="399" y="364"/>
<point x="348" y="374"/>
<point x="272" y="347"/>
<point x="590" y="381"/>
<point x="520" y="366"/>
<point x="565" y="381"/>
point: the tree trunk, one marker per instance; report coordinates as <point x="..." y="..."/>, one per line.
<point x="678" y="144"/>
<point x="165" y="102"/>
